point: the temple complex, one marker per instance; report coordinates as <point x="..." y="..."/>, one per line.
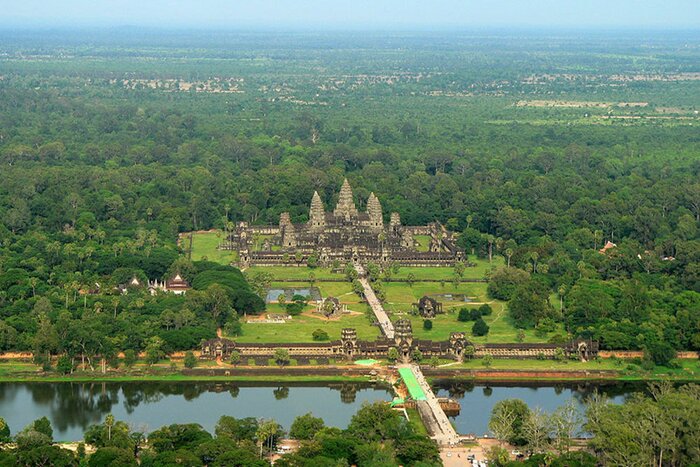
<point x="349" y="347"/>
<point x="344" y="234"/>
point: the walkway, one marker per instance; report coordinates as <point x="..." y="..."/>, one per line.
<point x="431" y="413"/>
<point x="382" y="318"/>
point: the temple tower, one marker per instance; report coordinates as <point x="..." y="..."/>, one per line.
<point x="395" y="223"/>
<point x="317" y="216"/>
<point x="287" y="231"/>
<point x="374" y="210"/>
<point x="346" y="206"/>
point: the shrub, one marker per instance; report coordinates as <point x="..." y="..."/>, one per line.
<point x="320" y="335"/>
<point x="64" y="365"/>
<point x="480" y="328"/>
<point x="130" y="358"/>
<point x="474" y="314"/>
<point x="190" y="359"/>
<point x="485" y="309"/>
<point x="464" y="315"/>
<point x="427" y="324"/>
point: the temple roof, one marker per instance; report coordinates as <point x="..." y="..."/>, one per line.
<point x="346" y="205"/>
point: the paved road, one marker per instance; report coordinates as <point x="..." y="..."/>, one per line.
<point x="383" y="319"/>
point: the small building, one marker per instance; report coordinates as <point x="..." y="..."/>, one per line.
<point x="176" y="285"/>
<point x="428" y="307"/>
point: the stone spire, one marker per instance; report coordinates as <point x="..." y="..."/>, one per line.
<point x="317" y="216"/>
<point x="374" y="209"/>
<point x="346" y="206"/>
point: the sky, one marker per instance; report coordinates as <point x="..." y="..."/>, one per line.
<point x="354" y="14"/>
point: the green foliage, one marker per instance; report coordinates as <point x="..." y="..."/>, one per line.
<point x="190" y="360"/>
<point x="4" y="431"/>
<point x="64" y="364"/>
<point x="504" y="282"/>
<point x="392" y="354"/>
<point x="427" y="324"/>
<point x="507" y="421"/>
<point x="464" y="315"/>
<point x="236" y="429"/>
<point x="130" y="358"/>
<point x="320" y="335"/>
<point x="282" y="357"/>
<point x="112" y="456"/>
<point x="480" y="328"/>
<point x="305" y="426"/>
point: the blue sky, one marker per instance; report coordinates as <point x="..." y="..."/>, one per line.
<point x="352" y="14"/>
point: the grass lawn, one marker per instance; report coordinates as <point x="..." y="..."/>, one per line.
<point x="400" y="295"/>
<point x="482" y="266"/>
<point x="501" y="329"/>
<point x="689" y="369"/>
<point x="205" y="247"/>
<point x="296" y="273"/>
<point x="300" y="328"/>
<point x="423" y="242"/>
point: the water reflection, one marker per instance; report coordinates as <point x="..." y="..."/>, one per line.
<point x="72" y="407"/>
<point x="477" y="405"/>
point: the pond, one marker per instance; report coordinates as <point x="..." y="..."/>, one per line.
<point x="272" y="295"/>
<point x="477" y="401"/>
<point x="147" y="406"/>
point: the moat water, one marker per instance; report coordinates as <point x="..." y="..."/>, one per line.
<point x="73" y="407"/>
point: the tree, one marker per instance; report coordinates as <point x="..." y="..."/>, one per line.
<point x="480" y="328"/>
<point x="267" y="435"/>
<point x="154" y="350"/>
<point x="417" y="355"/>
<point x="112" y="456"/>
<point x="282" y="357"/>
<point x="236" y="429"/>
<point x="235" y="358"/>
<point x="660" y="352"/>
<point x="530" y="303"/>
<point x="507" y="419"/>
<point x="320" y="335"/>
<point x="464" y="315"/>
<point x="427" y="324"/>
<point x="487" y="360"/>
<point x="504" y="281"/>
<point x="565" y="421"/>
<point x="305" y="426"/>
<point x="4" y="431"/>
<point x="43" y="426"/>
<point x="64" y="364"/>
<point x="535" y="430"/>
<point x="392" y="354"/>
<point x="410" y="278"/>
<point x="130" y="358"/>
<point x="190" y="359"/>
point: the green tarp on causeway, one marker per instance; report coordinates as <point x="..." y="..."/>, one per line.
<point x="414" y="389"/>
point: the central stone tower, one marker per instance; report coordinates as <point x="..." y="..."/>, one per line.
<point x="317" y="216"/>
<point x="346" y="206"/>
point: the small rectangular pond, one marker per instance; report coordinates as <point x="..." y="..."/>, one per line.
<point x="272" y="295"/>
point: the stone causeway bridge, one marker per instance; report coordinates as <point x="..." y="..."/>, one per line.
<point x="428" y="405"/>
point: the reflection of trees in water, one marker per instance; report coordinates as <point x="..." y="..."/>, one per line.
<point x="74" y="405"/>
<point x="488" y="390"/>
<point x="348" y="393"/>
<point x="281" y="392"/>
<point x="234" y="391"/>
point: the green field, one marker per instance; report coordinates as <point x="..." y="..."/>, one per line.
<point x="296" y="273"/>
<point x="300" y="328"/>
<point x="205" y="246"/>
<point x="478" y="271"/>
<point x="501" y="330"/>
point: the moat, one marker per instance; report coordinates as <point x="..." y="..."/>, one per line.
<point x="72" y="407"/>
